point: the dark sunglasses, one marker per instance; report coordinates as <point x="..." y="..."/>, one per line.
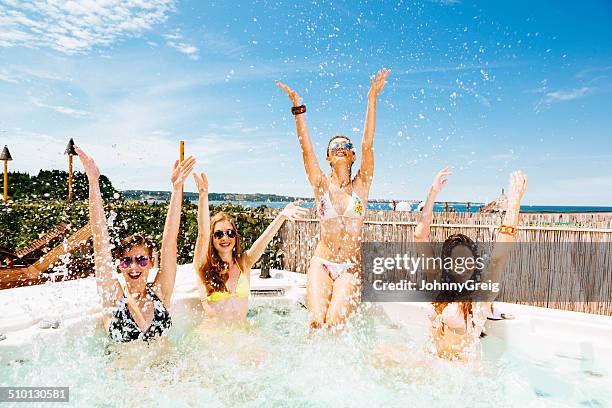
<point x="337" y="145"/>
<point x="230" y="233"/>
<point x="126" y="261"/>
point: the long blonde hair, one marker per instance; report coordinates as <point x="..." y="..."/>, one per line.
<point x="214" y="272"/>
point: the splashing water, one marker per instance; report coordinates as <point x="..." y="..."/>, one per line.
<point x="274" y="363"/>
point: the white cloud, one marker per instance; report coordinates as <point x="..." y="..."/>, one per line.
<point x="4" y="76"/>
<point x="173" y="36"/>
<point x="563" y="96"/>
<point x="447" y="2"/>
<point x="190" y="50"/>
<point x="75" y="27"/>
<point x="174" y="41"/>
<point x="62" y="109"/>
<point x="220" y="44"/>
<point x="140" y="160"/>
<point x="589" y="72"/>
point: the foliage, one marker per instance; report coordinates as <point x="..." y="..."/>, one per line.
<point x="24" y="221"/>
<point x="53" y="184"/>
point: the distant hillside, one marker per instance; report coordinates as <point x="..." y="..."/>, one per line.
<point x="165" y="195"/>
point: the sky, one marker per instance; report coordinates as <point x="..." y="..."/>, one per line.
<point x="486" y="87"/>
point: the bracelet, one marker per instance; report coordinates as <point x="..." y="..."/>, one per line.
<point x="298" y="110"/>
<point x="508" y="230"/>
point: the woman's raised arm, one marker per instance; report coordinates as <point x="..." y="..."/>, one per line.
<point x="507" y="231"/>
<point x="366" y="169"/>
<point x="313" y="171"/>
<point x="108" y="287"/>
<point x="292" y="212"/>
<point x="202" y="242"/>
<point x="421" y="232"/>
<point x="166" y="276"/>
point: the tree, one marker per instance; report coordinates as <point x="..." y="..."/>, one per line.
<point x="53" y="184"/>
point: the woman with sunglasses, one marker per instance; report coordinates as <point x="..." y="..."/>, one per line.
<point x="222" y="269"/>
<point x="135" y="309"/>
<point x="341" y="199"/>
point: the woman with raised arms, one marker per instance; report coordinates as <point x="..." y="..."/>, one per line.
<point x="458" y="317"/>
<point x="223" y="271"/>
<point x="135" y="309"/>
<point x="341" y="199"/>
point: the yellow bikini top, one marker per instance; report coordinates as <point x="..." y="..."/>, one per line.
<point x="242" y="290"/>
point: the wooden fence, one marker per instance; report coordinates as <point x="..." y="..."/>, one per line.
<point x="585" y="266"/>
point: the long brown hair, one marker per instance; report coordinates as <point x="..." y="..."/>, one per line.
<point x="214" y="272"/>
<point x="463" y="299"/>
<point x="132" y="241"/>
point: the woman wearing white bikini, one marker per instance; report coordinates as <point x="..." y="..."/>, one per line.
<point x="341" y="199"/>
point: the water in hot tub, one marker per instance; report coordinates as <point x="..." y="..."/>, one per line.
<point x="278" y="363"/>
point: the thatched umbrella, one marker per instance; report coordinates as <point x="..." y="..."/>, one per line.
<point x="498" y="205"/>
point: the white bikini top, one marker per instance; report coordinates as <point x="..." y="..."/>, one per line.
<point x="453" y="318"/>
<point x="354" y="208"/>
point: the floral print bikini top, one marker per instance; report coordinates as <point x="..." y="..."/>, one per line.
<point x="354" y="209"/>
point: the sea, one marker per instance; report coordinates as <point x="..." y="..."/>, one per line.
<point x="438" y="207"/>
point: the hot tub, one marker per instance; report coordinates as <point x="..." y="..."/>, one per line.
<point x="540" y="357"/>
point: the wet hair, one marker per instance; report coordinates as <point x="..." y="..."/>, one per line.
<point x="133" y="241"/>
<point x="464" y="297"/>
<point x="333" y="138"/>
<point x="213" y="273"/>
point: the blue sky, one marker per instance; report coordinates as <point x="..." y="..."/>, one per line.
<point x="486" y="87"/>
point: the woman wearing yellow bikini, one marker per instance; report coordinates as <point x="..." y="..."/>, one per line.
<point x="341" y="200"/>
<point x="222" y="269"/>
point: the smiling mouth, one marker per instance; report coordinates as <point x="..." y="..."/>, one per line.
<point x="134" y="275"/>
<point x="224" y="245"/>
<point x="340" y="154"/>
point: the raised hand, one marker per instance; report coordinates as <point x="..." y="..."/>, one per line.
<point x="91" y="169"/>
<point x="293" y="211"/>
<point x="295" y="98"/>
<point x="377" y="84"/>
<point x="201" y="182"/>
<point x="181" y="170"/>
<point x="441" y="179"/>
<point x="518" y="185"/>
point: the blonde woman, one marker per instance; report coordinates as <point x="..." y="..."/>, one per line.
<point x="222" y="268"/>
<point x="341" y="199"/>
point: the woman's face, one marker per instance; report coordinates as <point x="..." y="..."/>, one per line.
<point x="464" y="263"/>
<point x="340" y="151"/>
<point x="224" y="237"/>
<point x="135" y="264"/>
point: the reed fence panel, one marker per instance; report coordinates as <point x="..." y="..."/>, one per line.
<point x="582" y="251"/>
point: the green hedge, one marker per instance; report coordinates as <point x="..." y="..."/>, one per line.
<point x="21" y="222"/>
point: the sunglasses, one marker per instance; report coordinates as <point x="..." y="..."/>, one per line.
<point x="230" y="233"/>
<point x="126" y="261"/>
<point x="337" y="145"/>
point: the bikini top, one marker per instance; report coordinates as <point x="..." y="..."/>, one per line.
<point x="123" y="327"/>
<point x="242" y="290"/>
<point x="452" y="317"/>
<point x="354" y="208"/>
